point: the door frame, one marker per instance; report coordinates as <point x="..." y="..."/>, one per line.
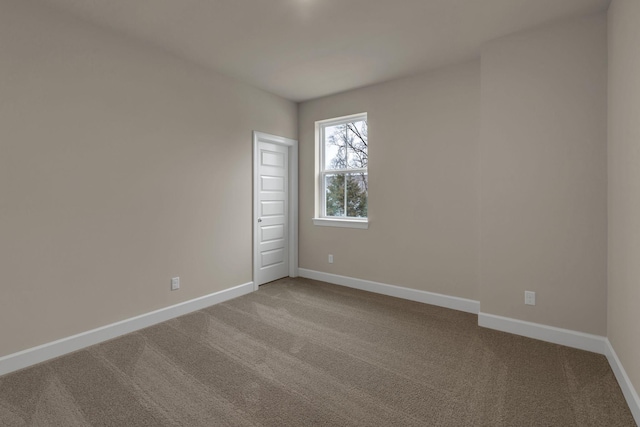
<point x="292" y="146"/>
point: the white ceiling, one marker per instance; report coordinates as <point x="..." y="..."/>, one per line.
<point x="304" y="49"/>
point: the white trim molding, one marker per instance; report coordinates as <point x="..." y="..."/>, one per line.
<point x="575" y="339"/>
<point x="41" y="353"/>
<point x="566" y="337"/>
<point x="342" y="222"/>
<point x="629" y="392"/>
<point x="321" y="172"/>
<point x="455" y="303"/>
<point x="580" y="340"/>
<point x="292" y="146"/>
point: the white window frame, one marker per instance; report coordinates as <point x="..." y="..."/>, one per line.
<point x="320" y="218"/>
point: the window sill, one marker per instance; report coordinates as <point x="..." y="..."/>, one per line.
<point x="344" y="223"/>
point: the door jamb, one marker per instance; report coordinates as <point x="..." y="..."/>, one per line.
<point x="292" y="145"/>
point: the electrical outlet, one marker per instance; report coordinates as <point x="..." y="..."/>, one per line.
<point x="330" y="259"/>
<point x="529" y="298"/>
<point x="175" y="283"/>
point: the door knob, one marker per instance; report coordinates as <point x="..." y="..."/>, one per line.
<point x="259" y="219"/>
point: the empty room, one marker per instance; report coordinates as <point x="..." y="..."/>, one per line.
<point x="191" y="233"/>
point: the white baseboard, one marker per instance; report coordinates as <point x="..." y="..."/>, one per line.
<point x="594" y="343"/>
<point x="566" y="337"/>
<point x="628" y="390"/>
<point x="41" y="353"/>
<point x="580" y="340"/>
<point x="455" y="303"/>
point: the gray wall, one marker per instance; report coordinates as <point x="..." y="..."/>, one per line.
<point x="624" y="184"/>
<point x="423" y="184"/>
<point x="484" y="182"/>
<point x="543" y="168"/>
<point x="120" y="167"/>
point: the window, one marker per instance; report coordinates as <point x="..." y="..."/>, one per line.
<point x="342" y="160"/>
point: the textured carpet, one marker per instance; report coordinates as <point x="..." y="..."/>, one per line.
<point x="306" y="353"/>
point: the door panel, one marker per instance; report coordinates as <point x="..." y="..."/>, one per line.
<point x="272" y="183"/>
<point x="273" y="207"/>
<point x="273" y="232"/>
<point x="272" y="258"/>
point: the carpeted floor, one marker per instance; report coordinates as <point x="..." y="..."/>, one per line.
<point x="306" y="353"/>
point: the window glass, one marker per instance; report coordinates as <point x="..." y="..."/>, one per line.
<point x="344" y="158"/>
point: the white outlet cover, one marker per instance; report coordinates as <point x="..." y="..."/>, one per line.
<point x="529" y="297"/>
<point x="175" y="283"/>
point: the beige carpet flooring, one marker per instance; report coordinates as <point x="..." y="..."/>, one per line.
<point x="306" y="353"/>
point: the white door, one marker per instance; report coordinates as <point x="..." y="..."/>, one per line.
<point x="271" y="211"/>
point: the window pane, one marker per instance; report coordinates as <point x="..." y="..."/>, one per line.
<point x="335" y="154"/>
<point x="344" y="160"/>
<point x="357" y="187"/>
<point x="356" y="142"/>
<point x="334" y="195"/>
